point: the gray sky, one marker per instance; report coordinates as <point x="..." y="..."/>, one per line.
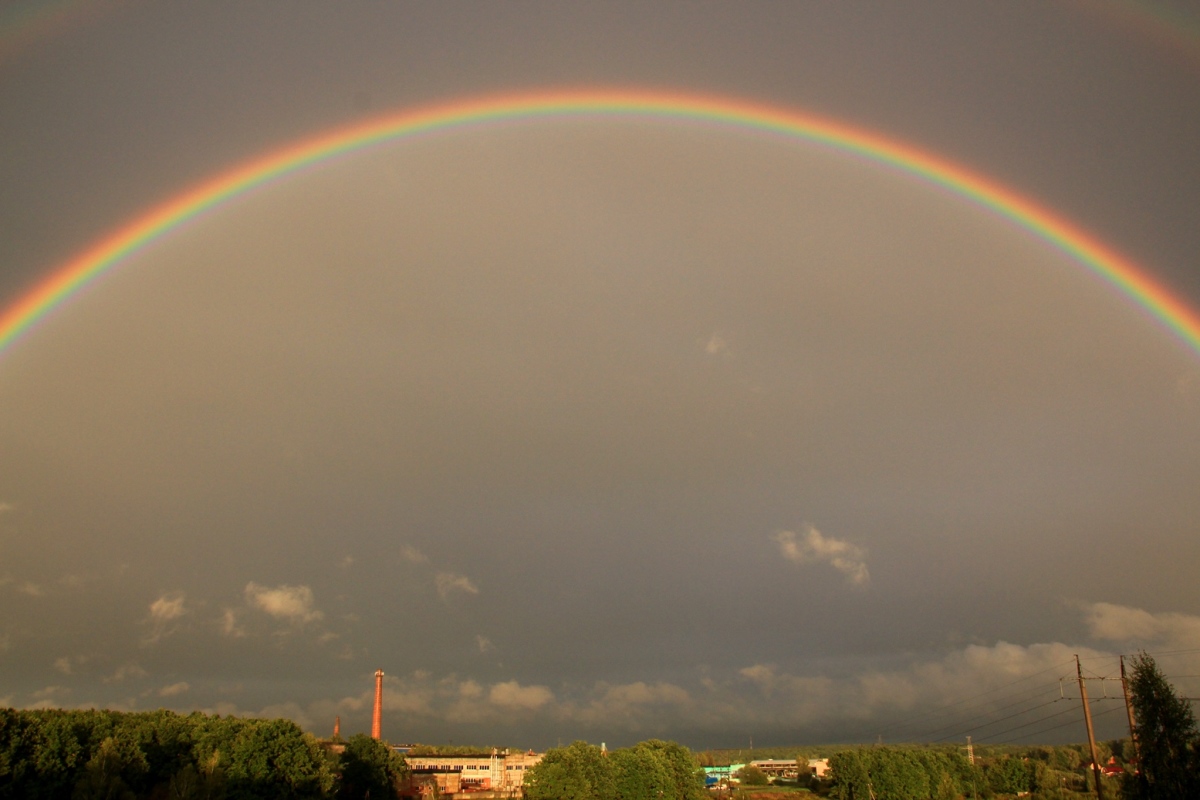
<point x="592" y="429"/>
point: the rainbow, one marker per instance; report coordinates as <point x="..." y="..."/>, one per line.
<point x="1116" y="269"/>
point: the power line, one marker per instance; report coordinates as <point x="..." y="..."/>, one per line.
<point x="973" y="700"/>
<point x="1161" y="653"/>
<point x="960" y="723"/>
<point x="995" y="721"/>
<point x="1069" y="722"/>
<point x="1070" y="710"/>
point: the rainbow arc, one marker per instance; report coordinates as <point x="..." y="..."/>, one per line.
<point x="1118" y="270"/>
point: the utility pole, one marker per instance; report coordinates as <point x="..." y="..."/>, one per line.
<point x="1087" y="718"/>
<point x="1133" y="740"/>
<point x="970" y="752"/>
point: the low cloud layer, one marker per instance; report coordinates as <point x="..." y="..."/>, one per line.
<point x="951" y="695"/>
<point x="814" y="548"/>
<point x="1124" y="625"/>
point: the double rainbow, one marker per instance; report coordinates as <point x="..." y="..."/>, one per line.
<point x="1084" y="248"/>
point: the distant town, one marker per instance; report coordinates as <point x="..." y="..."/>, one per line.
<point x="95" y="753"/>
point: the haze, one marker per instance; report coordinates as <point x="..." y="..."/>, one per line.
<point x="596" y="429"/>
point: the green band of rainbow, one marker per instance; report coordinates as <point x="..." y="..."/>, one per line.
<point x="1122" y="273"/>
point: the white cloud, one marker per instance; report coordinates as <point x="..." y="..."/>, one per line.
<point x="174" y="689"/>
<point x="347" y="562"/>
<point x="230" y="625"/>
<point x="633" y="705"/>
<point x="449" y="583"/>
<point x="50" y="697"/>
<point x="855" y="696"/>
<point x="847" y="558"/>
<point x="126" y="672"/>
<point x="1122" y="624"/>
<point x="31" y="589"/>
<point x="412" y="555"/>
<point x="168" y="607"/>
<point x="291" y="603"/>
<point x="512" y="696"/>
<point x="63" y="665"/>
<point x="163" y="614"/>
<point x="716" y="345"/>
<point x="6" y="507"/>
<point x="484" y="644"/>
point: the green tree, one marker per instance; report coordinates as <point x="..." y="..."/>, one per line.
<point x="369" y="768"/>
<point x="1167" y="737"/>
<point x="637" y="773"/>
<point x="686" y="775"/>
<point x="851" y="779"/>
<point x="1010" y="775"/>
<point x="20" y="736"/>
<point x="574" y="773"/>
<point x="751" y="775"/>
<point x="275" y="759"/>
<point x="102" y="775"/>
<point x="898" y="775"/>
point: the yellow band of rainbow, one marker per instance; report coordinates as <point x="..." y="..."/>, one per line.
<point x="1084" y="248"/>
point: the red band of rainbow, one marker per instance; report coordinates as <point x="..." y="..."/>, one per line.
<point x="1102" y="260"/>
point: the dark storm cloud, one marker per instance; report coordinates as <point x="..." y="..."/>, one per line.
<point x="592" y="429"/>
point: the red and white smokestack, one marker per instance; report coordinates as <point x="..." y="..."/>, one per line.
<point x="377" y="718"/>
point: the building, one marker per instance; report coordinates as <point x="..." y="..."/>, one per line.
<point x="777" y="767"/>
<point x="498" y="773"/>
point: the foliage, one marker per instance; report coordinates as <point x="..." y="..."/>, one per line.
<point x="1009" y="775"/>
<point x="751" y="775"/>
<point x="638" y="775"/>
<point x="452" y="750"/>
<point x="1166" y="734"/>
<point x="686" y="776"/>
<point x="651" y="769"/>
<point x="369" y="768"/>
<point x="115" y="756"/>
<point x="900" y="773"/>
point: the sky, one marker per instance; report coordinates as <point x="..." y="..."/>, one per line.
<point x="600" y="428"/>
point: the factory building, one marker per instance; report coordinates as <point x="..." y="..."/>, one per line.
<point x="501" y="773"/>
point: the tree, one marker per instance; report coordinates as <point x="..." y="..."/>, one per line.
<point x="638" y="774"/>
<point x="751" y="775"/>
<point x="19" y="742"/>
<point x="276" y="759"/>
<point x="1009" y="775"/>
<point x="556" y="781"/>
<point x="369" y="768"/>
<point x="686" y="776"/>
<point x="102" y="776"/>
<point x="851" y="780"/>
<point x="576" y="772"/>
<point x="1166" y="734"/>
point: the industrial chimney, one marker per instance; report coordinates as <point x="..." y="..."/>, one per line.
<point x="377" y="718"/>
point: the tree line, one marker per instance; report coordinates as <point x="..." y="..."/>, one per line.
<point x="1162" y="762"/>
<point x="160" y="754"/>
<point x="653" y="769"/>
